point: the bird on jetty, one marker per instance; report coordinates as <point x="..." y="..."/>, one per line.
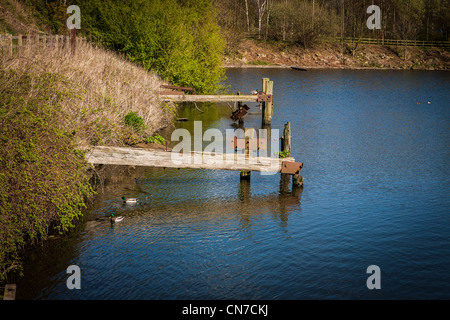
<point x="129" y="200"/>
<point x="114" y="219"/>
<point x="254" y="92"/>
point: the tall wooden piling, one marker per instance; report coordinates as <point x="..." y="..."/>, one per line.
<point x="286" y="140"/>
<point x="249" y="134"/>
<point x="267" y="88"/>
<point x="286" y="148"/>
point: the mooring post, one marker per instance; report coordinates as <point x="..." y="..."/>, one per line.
<point x="249" y="134"/>
<point x="267" y="105"/>
<point x="286" y="150"/>
<point x="297" y="181"/>
<point x="239" y="106"/>
<point x="286" y="140"/>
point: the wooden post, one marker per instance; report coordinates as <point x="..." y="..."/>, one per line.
<point x="297" y="181"/>
<point x="267" y="106"/>
<point x="286" y="147"/>
<point x="73" y="40"/>
<point x="28" y="40"/>
<point x="11" y="44"/>
<point x="249" y="134"/>
<point x="286" y="140"/>
<point x="264" y="81"/>
<point x="19" y="42"/>
<point x="56" y="42"/>
<point x="285" y="183"/>
<point x="10" y="292"/>
<point x="245" y="175"/>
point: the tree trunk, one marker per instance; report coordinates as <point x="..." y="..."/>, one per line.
<point x="246" y="13"/>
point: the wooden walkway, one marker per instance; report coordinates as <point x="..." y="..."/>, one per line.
<point x="193" y="160"/>
<point x="209" y="98"/>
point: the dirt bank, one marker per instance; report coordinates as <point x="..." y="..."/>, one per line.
<point x="252" y="53"/>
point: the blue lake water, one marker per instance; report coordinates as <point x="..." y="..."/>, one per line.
<point x="376" y="192"/>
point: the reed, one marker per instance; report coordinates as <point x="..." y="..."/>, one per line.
<point x="101" y="87"/>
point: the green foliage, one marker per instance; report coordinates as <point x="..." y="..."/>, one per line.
<point x="178" y="39"/>
<point x="43" y="179"/>
<point x="52" y="13"/>
<point x="132" y="119"/>
<point x="155" y="139"/>
<point x="283" y="154"/>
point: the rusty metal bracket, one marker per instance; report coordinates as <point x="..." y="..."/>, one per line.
<point x="238" y="114"/>
<point x="291" y="167"/>
<point x="262" y="97"/>
<point x="248" y="144"/>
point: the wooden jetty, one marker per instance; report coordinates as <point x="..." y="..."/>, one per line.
<point x="243" y="162"/>
<point x="265" y="96"/>
<point x="181" y="97"/>
<point x="192" y="160"/>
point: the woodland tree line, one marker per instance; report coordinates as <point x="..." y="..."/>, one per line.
<point x="308" y="21"/>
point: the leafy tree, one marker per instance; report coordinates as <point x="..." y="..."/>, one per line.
<point x="178" y="39"/>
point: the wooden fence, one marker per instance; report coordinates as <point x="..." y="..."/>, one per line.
<point x="394" y="42"/>
<point x="10" y="44"/>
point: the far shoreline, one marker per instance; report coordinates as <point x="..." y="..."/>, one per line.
<point x="251" y="54"/>
<point x="275" y="66"/>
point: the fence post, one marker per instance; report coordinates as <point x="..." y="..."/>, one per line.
<point x="11" y="44"/>
<point x="19" y="42"/>
<point x="73" y="40"/>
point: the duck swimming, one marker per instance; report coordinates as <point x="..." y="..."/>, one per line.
<point x="115" y="219"/>
<point x="129" y="200"/>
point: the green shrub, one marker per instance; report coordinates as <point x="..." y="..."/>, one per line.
<point x="132" y="119"/>
<point x="43" y="179"/>
<point x="155" y="139"/>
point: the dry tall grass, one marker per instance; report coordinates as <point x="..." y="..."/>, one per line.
<point x="101" y="88"/>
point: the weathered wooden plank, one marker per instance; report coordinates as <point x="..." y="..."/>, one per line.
<point x="193" y="160"/>
<point x="209" y="98"/>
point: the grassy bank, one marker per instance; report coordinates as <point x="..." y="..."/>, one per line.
<point x="250" y="52"/>
<point x="54" y="106"/>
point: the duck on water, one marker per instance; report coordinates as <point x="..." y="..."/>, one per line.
<point x="115" y="219"/>
<point x="129" y="200"/>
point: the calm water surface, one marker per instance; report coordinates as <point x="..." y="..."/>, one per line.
<point x="377" y="181"/>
